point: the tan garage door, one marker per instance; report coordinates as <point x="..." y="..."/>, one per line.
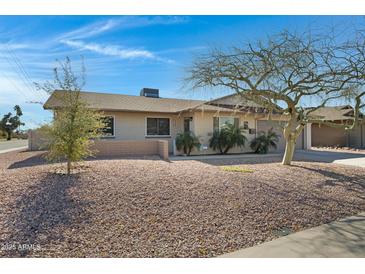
<point x="328" y="136"/>
<point x="277" y="126"/>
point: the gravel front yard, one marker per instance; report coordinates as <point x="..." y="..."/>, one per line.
<point x="153" y="208"/>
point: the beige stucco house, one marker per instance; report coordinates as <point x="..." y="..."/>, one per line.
<point x="137" y="124"/>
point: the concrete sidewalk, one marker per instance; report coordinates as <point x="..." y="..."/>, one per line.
<point x="337" y="157"/>
<point x="339" y="239"/>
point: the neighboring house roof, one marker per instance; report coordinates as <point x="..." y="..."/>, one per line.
<point x="333" y="113"/>
<point x="206" y="107"/>
<point x="231" y="103"/>
<point x="236" y="100"/>
<point x="119" y="102"/>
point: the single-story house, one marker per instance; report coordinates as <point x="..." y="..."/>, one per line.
<point x="140" y="120"/>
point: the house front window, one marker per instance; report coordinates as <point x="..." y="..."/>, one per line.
<point x="108" y="130"/>
<point x="158" y="127"/>
<point x="245" y="125"/>
<point x="219" y="122"/>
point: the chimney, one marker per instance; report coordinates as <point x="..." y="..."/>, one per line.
<point x="150" y="92"/>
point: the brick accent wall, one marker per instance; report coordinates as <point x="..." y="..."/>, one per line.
<point x="107" y="147"/>
<point x="131" y="148"/>
<point x="163" y="149"/>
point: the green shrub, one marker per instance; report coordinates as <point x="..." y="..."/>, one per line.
<point x="227" y="137"/>
<point x="264" y="141"/>
<point x="186" y="142"/>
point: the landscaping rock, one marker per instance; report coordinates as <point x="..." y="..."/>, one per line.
<point x="153" y="208"/>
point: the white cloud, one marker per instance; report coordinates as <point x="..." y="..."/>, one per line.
<point x="110" y="50"/>
<point x="12" y="46"/>
<point x="124" y="22"/>
<point x="91" y="29"/>
<point x="76" y="38"/>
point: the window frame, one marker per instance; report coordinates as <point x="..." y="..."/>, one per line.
<point x="110" y="136"/>
<point x="157" y="136"/>
<point x="244" y="122"/>
<point x="233" y="117"/>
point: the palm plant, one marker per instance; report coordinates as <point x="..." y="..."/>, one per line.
<point x="227" y="137"/>
<point x="186" y="142"/>
<point x="264" y="141"/>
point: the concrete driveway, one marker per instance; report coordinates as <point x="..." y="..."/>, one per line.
<point x="344" y="158"/>
<point x="7" y="146"/>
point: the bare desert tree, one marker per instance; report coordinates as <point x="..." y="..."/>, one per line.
<point x="286" y="70"/>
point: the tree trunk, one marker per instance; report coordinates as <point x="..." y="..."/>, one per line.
<point x="68" y="166"/>
<point x="289" y="151"/>
<point x="226" y="150"/>
<point x="8" y="138"/>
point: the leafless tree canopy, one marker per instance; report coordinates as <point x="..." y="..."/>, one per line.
<point x="285" y="69"/>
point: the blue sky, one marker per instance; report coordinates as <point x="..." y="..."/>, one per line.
<point x="124" y="53"/>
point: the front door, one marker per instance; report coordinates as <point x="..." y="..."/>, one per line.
<point x="188" y="124"/>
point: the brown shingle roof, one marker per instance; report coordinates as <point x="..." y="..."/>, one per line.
<point x="119" y="102"/>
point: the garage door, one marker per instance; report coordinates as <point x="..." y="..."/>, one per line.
<point x="323" y="135"/>
<point x="277" y="127"/>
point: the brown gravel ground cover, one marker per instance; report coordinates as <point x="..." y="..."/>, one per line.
<point x="153" y="208"/>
